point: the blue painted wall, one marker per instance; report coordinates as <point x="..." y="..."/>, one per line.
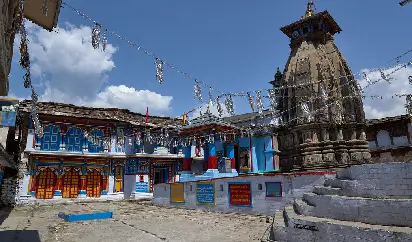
<point x="8" y="119"/>
<point x="268" y="156"/>
<point x="219" y="146"/>
<point x="244" y="142"/>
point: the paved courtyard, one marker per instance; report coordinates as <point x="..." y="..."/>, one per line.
<point x="132" y="221"/>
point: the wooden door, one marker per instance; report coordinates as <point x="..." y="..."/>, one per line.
<point x="46" y="183"/>
<point x="93" y="187"/>
<point x="119" y="179"/>
<point x="71" y="183"/>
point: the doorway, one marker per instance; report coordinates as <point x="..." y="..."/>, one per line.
<point x="119" y="179"/>
<point x="161" y="175"/>
<point x="71" y="184"/>
<point x="46" y="183"/>
<point x="237" y="158"/>
<point x="93" y="186"/>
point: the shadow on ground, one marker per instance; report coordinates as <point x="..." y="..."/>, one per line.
<point x="20" y="236"/>
<point x="4" y="213"/>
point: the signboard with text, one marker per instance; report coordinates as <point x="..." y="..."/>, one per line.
<point x="205" y="193"/>
<point x="240" y="194"/>
<point x="273" y="189"/>
<point x="177" y="193"/>
<point x="142" y="187"/>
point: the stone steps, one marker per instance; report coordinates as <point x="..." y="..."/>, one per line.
<point x="301" y="228"/>
<point x="327" y="191"/>
<point x="370" y="188"/>
<point x="391" y="212"/>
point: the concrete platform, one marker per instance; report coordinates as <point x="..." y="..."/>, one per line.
<point x="83" y="215"/>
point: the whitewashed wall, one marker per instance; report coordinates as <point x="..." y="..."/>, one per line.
<point x="292" y="187"/>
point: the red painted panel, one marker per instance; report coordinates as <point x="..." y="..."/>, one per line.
<point x="212" y="162"/>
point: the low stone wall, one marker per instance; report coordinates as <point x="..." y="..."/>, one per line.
<point x="293" y="185"/>
<point x="391" y="212"/>
<point x="386" y="180"/>
<point x="9" y="189"/>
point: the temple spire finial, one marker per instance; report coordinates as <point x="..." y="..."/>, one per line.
<point x="309" y="10"/>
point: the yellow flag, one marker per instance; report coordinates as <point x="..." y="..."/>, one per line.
<point x="184" y="117"/>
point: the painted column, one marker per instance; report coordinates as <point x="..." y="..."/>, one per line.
<point x="275" y="146"/>
<point x="58" y="190"/>
<point x="269" y="152"/>
<point x="62" y="143"/>
<point x="212" y="158"/>
<point x="230" y="153"/>
<point x="104" y="185"/>
<point x="187" y="160"/>
<point x="187" y="164"/>
<point x="38" y="142"/>
<point x="82" y="193"/>
<point x="205" y="158"/>
<point x="33" y="185"/>
<point x="154" y="147"/>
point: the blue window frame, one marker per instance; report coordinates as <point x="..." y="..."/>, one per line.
<point x="74" y="139"/>
<point x="51" y="138"/>
<point x="98" y="147"/>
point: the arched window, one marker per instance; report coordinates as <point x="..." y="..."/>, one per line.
<point x="96" y="146"/>
<point x="51" y="138"/>
<point x="74" y="139"/>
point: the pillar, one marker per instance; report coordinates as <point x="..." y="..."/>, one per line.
<point x="82" y="193"/>
<point x="187" y="160"/>
<point x="205" y="158"/>
<point x="187" y="164"/>
<point x="212" y="158"/>
<point x="58" y="190"/>
<point x="230" y="153"/>
<point x="104" y="185"/>
<point x="33" y="185"/>
<point x="86" y="145"/>
<point x="62" y="143"/>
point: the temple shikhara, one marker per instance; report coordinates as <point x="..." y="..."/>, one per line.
<point x="321" y="100"/>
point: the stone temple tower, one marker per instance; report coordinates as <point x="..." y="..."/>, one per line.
<point x="320" y="102"/>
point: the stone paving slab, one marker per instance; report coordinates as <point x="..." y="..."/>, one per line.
<point x="132" y="221"/>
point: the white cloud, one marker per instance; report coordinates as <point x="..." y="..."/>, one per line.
<point x="387" y="106"/>
<point x="72" y="71"/>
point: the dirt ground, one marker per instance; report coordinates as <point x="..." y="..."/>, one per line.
<point x="132" y="221"/>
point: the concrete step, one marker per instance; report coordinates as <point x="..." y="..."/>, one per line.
<point x="301" y="228"/>
<point x="320" y="190"/>
<point x="395" y="188"/>
<point x="338" y="183"/>
<point x="391" y="212"/>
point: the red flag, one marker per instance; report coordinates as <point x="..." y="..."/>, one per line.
<point x="147" y="114"/>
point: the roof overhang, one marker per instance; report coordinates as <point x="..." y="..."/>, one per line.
<point x="33" y="12"/>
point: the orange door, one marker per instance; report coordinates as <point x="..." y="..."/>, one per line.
<point x="93" y="184"/>
<point x="71" y="183"/>
<point x="46" y="183"/>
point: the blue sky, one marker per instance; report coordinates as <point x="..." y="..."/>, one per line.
<point x="232" y="45"/>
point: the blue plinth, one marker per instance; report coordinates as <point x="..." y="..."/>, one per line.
<point x="85" y="215"/>
<point x="208" y="175"/>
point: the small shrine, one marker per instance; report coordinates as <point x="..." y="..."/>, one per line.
<point x="210" y="148"/>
